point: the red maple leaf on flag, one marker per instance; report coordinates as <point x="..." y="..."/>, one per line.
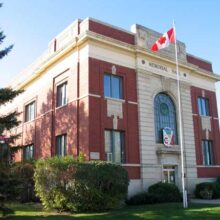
<point x="162" y="40"/>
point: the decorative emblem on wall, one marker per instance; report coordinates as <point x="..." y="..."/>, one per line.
<point x="168" y="137"/>
<point x="114" y="70"/>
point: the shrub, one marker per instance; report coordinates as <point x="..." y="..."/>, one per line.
<point x="23" y="174"/>
<point x="142" y="198"/>
<point x="207" y="190"/>
<point x="16" y="182"/>
<point x="67" y="184"/>
<point x="216" y="192"/>
<point x="165" y="192"/>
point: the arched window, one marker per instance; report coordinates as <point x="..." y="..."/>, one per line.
<point x="165" y="116"/>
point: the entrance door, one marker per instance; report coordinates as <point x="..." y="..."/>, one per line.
<point x="169" y="173"/>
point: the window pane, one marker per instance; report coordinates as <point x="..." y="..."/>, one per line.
<point x="117" y="147"/>
<point x="116" y="87"/>
<point x="203" y="106"/>
<point x="64" y="97"/>
<point x="207" y="107"/>
<point x="211" y="156"/>
<point x="108" y="142"/>
<point x="26" y="113"/>
<point x="122" y="147"/>
<point x="114" y="146"/>
<point x="30" y="112"/>
<point x="165" y="116"/>
<point x="62" y="94"/>
<point x="112" y="86"/>
<point x="28" y="152"/>
<point x="199" y="106"/>
<point x="107" y="85"/>
<point x="207" y="152"/>
<point x="61" y="145"/>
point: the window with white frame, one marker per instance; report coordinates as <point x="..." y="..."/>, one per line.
<point x="113" y="86"/>
<point x="28" y="152"/>
<point x="203" y="106"/>
<point x="114" y="146"/>
<point x="30" y="111"/>
<point x="61" y="145"/>
<point x="207" y="152"/>
<point x="62" y="94"/>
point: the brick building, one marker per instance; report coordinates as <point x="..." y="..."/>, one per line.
<point x="98" y="89"/>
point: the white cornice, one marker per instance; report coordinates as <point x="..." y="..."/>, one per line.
<point x="89" y="35"/>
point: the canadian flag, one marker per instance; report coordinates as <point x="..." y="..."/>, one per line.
<point x="164" y="41"/>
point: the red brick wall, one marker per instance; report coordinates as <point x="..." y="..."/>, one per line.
<point x="98" y="120"/>
<point x="200" y="134"/>
<point x="200" y="63"/>
<point x="111" y="32"/>
<point x="50" y="121"/>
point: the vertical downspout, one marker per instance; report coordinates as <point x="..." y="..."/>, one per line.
<point x="53" y="110"/>
<point x="78" y="81"/>
<point x="52" y="120"/>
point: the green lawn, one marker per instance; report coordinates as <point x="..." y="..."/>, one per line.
<point x="159" y="211"/>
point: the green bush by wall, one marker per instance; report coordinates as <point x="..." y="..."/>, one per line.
<point x="66" y="184"/>
<point x="207" y="190"/>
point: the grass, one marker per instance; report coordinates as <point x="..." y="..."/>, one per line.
<point x="159" y="211"/>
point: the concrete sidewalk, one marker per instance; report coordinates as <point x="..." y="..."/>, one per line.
<point x="206" y="201"/>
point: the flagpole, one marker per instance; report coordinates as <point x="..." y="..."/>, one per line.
<point x="185" y="203"/>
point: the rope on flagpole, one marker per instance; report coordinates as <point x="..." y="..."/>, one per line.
<point x="185" y="203"/>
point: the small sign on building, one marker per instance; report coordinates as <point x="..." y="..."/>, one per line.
<point x="168" y="137"/>
<point x="94" y="156"/>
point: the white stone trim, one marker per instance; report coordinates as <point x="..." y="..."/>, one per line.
<point x="205" y="166"/>
<point x="114" y="99"/>
<point x="94" y="95"/>
<point x="131" y="165"/>
<point x="134" y="103"/>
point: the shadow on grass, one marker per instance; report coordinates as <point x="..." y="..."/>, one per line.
<point x="6" y="211"/>
<point x="153" y="212"/>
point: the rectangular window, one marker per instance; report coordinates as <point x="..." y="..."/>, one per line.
<point x="62" y="94"/>
<point x="207" y="152"/>
<point x="61" y="145"/>
<point x="113" y="86"/>
<point x="203" y="106"/>
<point x="114" y="146"/>
<point x="28" y="152"/>
<point x="30" y="111"/>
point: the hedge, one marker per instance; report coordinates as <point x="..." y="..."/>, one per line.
<point x="66" y="184"/>
<point x="207" y="190"/>
<point x="157" y="193"/>
<point x="142" y="198"/>
<point x="165" y="192"/>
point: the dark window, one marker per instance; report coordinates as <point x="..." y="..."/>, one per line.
<point x="207" y="152"/>
<point x="62" y="94"/>
<point x="203" y="106"/>
<point x="113" y="86"/>
<point x="30" y="111"/>
<point x="115" y="146"/>
<point x="165" y="116"/>
<point x="61" y="145"/>
<point x="28" y="152"/>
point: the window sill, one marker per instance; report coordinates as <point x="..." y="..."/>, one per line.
<point x="161" y="149"/>
<point x="59" y="107"/>
<point x="208" y="166"/>
<point x="114" y="99"/>
<point x="26" y="122"/>
<point x="205" y="116"/>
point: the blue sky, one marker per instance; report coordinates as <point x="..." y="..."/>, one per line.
<point x="31" y="24"/>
